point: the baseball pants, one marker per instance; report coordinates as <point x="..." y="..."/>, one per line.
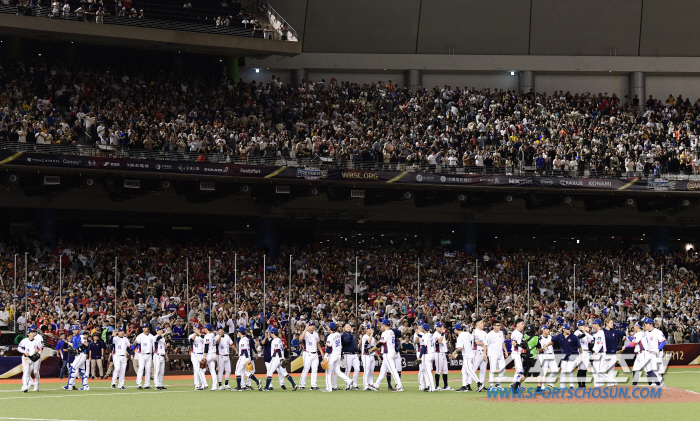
<point x="211" y="364"/>
<point x="608" y="369"/>
<point x="518" y="365"/>
<point x="144" y="365"/>
<point x="602" y="368"/>
<point x="398" y="362"/>
<point x="498" y="365"/>
<point x="352" y="363"/>
<point x="427" y="372"/>
<point x="96" y="366"/>
<point x="119" y="369"/>
<point x="441" y="366"/>
<point x="468" y="373"/>
<point x="388" y="365"/>
<point x="158" y="369"/>
<point x="79" y="367"/>
<point x="334" y="369"/>
<point x="421" y="383"/>
<point x="27" y="370"/>
<point x="279" y="371"/>
<point x="37" y="373"/>
<point x="310" y="364"/>
<point x="242" y="372"/>
<point x="567" y="373"/>
<point x="200" y="379"/>
<point x="224" y="363"/>
<point x="368" y="363"/>
<point x="480" y="364"/>
<point x="549" y="365"/>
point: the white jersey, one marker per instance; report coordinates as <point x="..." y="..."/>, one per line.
<point x="28" y="346"/>
<point x="222" y="348"/>
<point x="585" y="339"/>
<point x="244" y="347"/>
<point x="145" y="343"/>
<point x="440" y="347"/>
<point x="427" y="341"/>
<point x="277" y="348"/>
<point x="197" y="343"/>
<point x="652" y="339"/>
<point x="367" y="343"/>
<point x="333" y="341"/>
<point x="479" y="335"/>
<point x="516" y="338"/>
<point x="389" y="340"/>
<point x="39" y="342"/>
<point x="599" y="345"/>
<point x="638" y="340"/>
<point x="159" y="346"/>
<point x="547" y="345"/>
<point x="121" y="345"/>
<point x="311" y="341"/>
<point x="210" y="342"/>
<point x="465" y="340"/>
<point x="494" y="343"/>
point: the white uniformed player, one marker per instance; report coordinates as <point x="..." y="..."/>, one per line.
<point x="426" y="355"/>
<point x="120" y="348"/>
<point x="334" y="352"/>
<point x="547" y="359"/>
<point x="79" y="365"/>
<point x="479" y="356"/>
<point x="210" y="352"/>
<point x="144" y="342"/>
<point x="223" y="344"/>
<point x="244" y="356"/>
<point x="29" y="348"/>
<point x="196" y="355"/>
<point x="39" y="340"/>
<point x="416" y="343"/>
<point x="516" y="339"/>
<point x="653" y="342"/>
<point x="496" y="351"/>
<point x="584" y="359"/>
<point x="639" y="357"/>
<point x="311" y="342"/>
<point x="599" y="350"/>
<point x="368" y="361"/>
<point x="388" y="345"/>
<point x="441" y="363"/>
<point x="465" y="343"/>
<point x="160" y="357"/>
<point x="277" y="356"/>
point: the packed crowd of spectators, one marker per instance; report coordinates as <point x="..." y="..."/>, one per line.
<point x="380" y="125"/>
<point x="153" y="285"/>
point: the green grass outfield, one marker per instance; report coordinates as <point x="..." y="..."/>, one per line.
<point x="182" y="402"/>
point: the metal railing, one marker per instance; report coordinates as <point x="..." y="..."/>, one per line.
<point x="202" y="24"/>
<point x="323" y="162"/>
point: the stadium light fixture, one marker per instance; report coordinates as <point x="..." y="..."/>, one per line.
<point x="578" y="241"/>
<point x="257" y="70"/>
<point x="512" y="73"/>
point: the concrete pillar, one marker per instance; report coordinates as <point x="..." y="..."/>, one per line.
<point x="413" y="79"/>
<point x="46" y="226"/>
<point x="659" y="239"/>
<point x="638" y="86"/>
<point x="466" y="237"/>
<point x="298" y="76"/>
<point x="526" y="81"/>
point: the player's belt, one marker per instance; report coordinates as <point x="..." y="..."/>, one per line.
<point x="309" y="352"/>
<point x="223" y="355"/>
<point x="198" y="353"/>
<point x="145" y="353"/>
<point x="349" y="353"/>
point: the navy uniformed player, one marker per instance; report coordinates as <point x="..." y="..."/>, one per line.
<point x="570" y="348"/>
<point x="612" y="339"/>
<point x="352" y="363"/>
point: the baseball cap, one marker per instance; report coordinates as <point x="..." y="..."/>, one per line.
<point x="597" y="322"/>
<point x="544" y="327"/>
<point x="332" y="325"/>
<point x="419" y="322"/>
<point x="273" y="330"/>
<point x="207" y="326"/>
<point x="648" y="320"/>
<point x="369" y="326"/>
<point x="426" y="326"/>
<point x="311" y="323"/>
<point x="196" y="326"/>
<point x="29" y="330"/>
<point x="580" y="323"/>
<point x="438" y="324"/>
<point x="458" y="327"/>
<point x="121" y="329"/>
<point x="159" y="327"/>
<point x="75" y="327"/>
<point x="241" y="329"/>
<point x="145" y="325"/>
<point x="567" y="326"/>
<point x="386" y="322"/>
<point x="220" y="327"/>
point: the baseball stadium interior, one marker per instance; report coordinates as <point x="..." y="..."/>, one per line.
<point x="488" y="197"/>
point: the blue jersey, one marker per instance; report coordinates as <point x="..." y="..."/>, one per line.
<point x="349" y="343"/>
<point x="569" y="344"/>
<point x="267" y="350"/>
<point x="77" y="341"/>
<point x="612" y="338"/>
<point x="397" y="342"/>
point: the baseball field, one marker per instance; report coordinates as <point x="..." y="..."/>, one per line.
<point x="182" y="402"/>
